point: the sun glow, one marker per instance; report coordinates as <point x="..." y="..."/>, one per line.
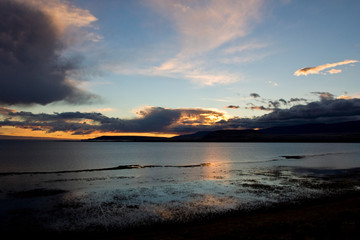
<point x="20" y="133"/>
<point x="206" y="119"/>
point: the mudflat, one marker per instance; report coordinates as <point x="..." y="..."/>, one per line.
<point x="333" y="217"/>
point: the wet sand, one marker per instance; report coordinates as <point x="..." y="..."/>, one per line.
<point x="336" y="217"/>
<point x="332" y="217"/>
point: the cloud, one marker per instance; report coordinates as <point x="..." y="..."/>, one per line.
<point x="325" y="111"/>
<point x="63" y="14"/>
<point x="226" y="99"/>
<point x="334" y="71"/>
<point x="344" y="97"/>
<point x="324" y="95"/>
<point x="244" y="58"/>
<point x="275" y="84"/>
<point x="272" y="105"/>
<point x="150" y="119"/>
<point x="209" y="79"/>
<point x="202" y="27"/>
<point x="232" y="107"/>
<point x="283" y="101"/>
<point x="206" y="38"/>
<point x="262" y="108"/>
<point x="275" y="104"/>
<point x="206" y="25"/>
<point x="316" y="70"/>
<point x="254" y="95"/>
<point x="33" y="69"/>
<point x="244" y="47"/>
<point x="297" y="100"/>
<point x="101" y="110"/>
<point x="244" y="53"/>
<point x="179" y="67"/>
<point x="182" y="120"/>
<point x="6" y="111"/>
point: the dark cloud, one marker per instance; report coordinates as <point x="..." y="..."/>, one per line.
<point x="324" y="111"/>
<point x="233" y="106"/>
<point x="305" y="70"/>
<point x="254" y="107"/>
<point x="254" y="95"/>
<point x="296" y="100"/>
<point x="283" y="101"/>
<point x="274" y="104"/>
<point x="154" y="119"/>
<point x="31" y="68"/>
<point x="271" y="105"/>
<point x="324" y="95"/>
<point x="157" y="119"/>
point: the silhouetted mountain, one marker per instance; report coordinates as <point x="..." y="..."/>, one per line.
<point x="336" y="132"/>
<point x="343" y="127"/>
<point x="126" y="139"/>
<point x="191" y="137"/>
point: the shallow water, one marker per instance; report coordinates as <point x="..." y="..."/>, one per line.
<point x="74" y="185"/>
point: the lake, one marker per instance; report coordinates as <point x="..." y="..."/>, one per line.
<point x="74" y="185"/>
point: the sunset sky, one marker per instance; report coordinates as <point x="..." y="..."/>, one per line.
<point x="85" y="68"/>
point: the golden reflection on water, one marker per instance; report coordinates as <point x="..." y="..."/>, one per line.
<point x="202" y="203"/>
<point x="214" y="202"/>
<point x="216" y="167"/>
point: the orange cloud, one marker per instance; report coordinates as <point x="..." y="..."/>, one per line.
<point x="6" y="111"/>
<point x="151" y="120"/>
<point x="334" y="71"/>
<point x="21" y="133"/>
<point x="316" y="70"/>
<point x="344" y="97"/>
<point x="63" y="14"/>
<point x="197" y="119"/>
<point x="203" y="26"/>
<point x="206" y="25"/>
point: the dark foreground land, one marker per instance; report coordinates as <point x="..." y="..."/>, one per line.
<point x="335" y="214"/>
<point x="333" y="217"/>
<point x="336" y="132"/>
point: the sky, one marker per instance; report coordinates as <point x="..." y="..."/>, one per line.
<point x="79" y="69"/>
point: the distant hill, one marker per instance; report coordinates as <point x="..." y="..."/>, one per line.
<point x="342" y="128"/>
<point x="126" y="139"/>
<point x="17" y="138"/>
<point x="335" y="132"/>
<point x="191" y="137"/>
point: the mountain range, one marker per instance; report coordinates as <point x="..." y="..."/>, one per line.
<point x="319" y="132"/>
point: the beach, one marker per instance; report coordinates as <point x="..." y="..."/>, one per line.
<point x="331" y="217"/>
<point x="190" y="191"/>
<point x="334" y="215"/>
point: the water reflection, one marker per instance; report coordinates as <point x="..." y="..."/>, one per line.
<point x="216" y="155"/>
<point x="166" y="181"/>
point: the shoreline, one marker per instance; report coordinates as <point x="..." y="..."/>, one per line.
<point x="329" y="217"/>
<point x="270" y="200"/>
<point x="332" y="214"/>
<point x="336" y="216"/>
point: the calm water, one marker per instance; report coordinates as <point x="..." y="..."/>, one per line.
<point x="121" y="184"/>
<point x="32" y="156"/>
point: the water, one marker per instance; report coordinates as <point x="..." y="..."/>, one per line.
<point x="74" y="185"/>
